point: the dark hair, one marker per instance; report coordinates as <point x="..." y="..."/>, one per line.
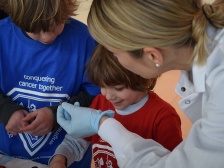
<point x="104" y="69"/>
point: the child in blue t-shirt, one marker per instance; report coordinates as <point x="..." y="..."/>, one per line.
<point x="43" y="53"/>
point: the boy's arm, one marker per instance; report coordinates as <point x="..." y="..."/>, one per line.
<point x="7" y="108"/>
<point x="84" y="99"/>
<point x="72" y="149"/>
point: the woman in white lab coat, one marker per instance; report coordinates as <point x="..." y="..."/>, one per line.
<point x="150" y="37"/>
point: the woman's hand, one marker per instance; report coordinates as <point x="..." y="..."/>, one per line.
<point x="78" y="121"/>
<point x="16" y="123"/>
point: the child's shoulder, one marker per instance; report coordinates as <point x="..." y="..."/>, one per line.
<point x="156" y="99"/>
<point x="153" y="95"/>
<point x="76" y="23"/>
<point x="6" y="26"/>
<point x="5" y="22"/>
<point x="100" y="98"/>
<point x="76" y="28"/>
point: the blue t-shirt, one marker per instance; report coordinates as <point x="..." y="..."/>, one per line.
<point x="37" y="75"/>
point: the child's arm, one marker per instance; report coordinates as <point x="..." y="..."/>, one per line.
<point x="58" y="161"/>
<point x="69" y="150"/>
<point x="7" y="108"/>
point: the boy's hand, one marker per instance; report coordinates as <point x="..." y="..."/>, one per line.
<point x="78" y="121"/>
<point x="15" y="122"/>
<point x="41" y="122"/>
<point x="58" y="161"/>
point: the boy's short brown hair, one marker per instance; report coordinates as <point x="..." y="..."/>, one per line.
<point x="105" y="69"/>
<point x="36" y="15"/>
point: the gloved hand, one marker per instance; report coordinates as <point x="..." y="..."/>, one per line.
<point x="78" y="121"/>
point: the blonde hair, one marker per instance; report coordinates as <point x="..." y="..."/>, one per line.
<point x="36" y="15"/>
<point x="133" y="25"/>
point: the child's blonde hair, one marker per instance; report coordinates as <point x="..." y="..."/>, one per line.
<point x="36" y="15"/>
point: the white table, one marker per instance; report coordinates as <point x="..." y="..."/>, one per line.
<point x="10" y="162"/>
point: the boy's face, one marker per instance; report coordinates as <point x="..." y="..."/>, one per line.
<point x="122" y="97"/>
<point x="47" y="37"/>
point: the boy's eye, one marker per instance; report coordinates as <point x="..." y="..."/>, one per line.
<point x="119" y="88"/>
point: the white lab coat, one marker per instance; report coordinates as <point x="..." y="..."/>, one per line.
<point x="202" y="102"/>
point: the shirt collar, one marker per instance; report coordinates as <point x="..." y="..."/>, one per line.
<point x="134" y="107"/>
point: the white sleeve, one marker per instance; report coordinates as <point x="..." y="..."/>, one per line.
<point x="132" y="151"/>
<point x="72" y="149"/>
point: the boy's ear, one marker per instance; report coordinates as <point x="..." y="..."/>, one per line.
<point x="154" y="55"/>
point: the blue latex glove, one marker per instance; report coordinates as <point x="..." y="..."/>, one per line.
<point x="67" y="115"/>
<point x="78" y="121"/>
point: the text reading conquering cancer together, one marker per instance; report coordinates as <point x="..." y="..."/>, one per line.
<point x="47" y="83"/>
